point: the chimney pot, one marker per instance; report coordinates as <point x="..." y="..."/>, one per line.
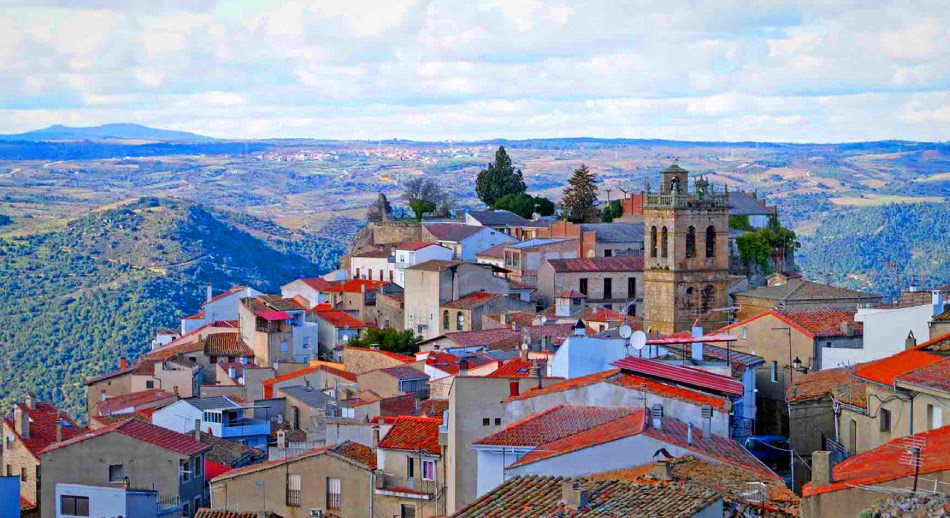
<point x="198" y="430"/>
<point x="30" y="401"/>
<point x="123" y="363"/>
<point x="911" y="341"/>
<point x="573" y="496"/>
<point x="662" y="470"/>
<point x="22" y="421"/>
<point x="689" y="433"/>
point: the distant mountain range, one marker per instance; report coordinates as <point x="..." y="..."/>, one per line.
<point x="118" y="131"/>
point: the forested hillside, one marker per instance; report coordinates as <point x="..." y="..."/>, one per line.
<point x="883" y="248"/>
<point x="72" y="302"/>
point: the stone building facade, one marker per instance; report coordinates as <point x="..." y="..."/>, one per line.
<point x="686" y="270"/>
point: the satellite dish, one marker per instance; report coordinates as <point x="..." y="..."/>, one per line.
<point x="625" y="332"/>
<point x="638" y="340"/>
<point x="544" y="320"/>
<point x="524" y="346"/>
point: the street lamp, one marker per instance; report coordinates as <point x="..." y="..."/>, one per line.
<point x="797" y="365"/>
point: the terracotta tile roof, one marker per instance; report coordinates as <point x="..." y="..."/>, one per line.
<point x="553" y="424"/>
<point x="626" y="426"/>
<point x="317" y="283"/>
<point x="729" y="481"/>
<point x="403" y="372"/>
<point x="134" y="400"/>
<point x="723" y="449"/>
<point x="356" y="451"/>
<point x="497" y="251"/>
<point x="450" y="363"/>
<point x="26" y="505"/>
<point x="396" y="356"/>
<point x="232" y="291"/>
<point x="434" y="265"/>
<point x="341" y="320"/>
<point x="412" y="246"/>
<point x="502" y="338"/>
<point x="838" y="383"/>
<point x="356" y="286"/>
<point x="270" y="383"/>
<point x="519" y="318"/>
<point x="943" y="317"/>
<point x="812" y="323"/>
<point x="196" y="316"/>
<point x="883" y="464"/>
<point x="557" y="332"/>
<point x="935" y="376"/>
<point x="454" y="232"/>
<point x="597" y="264"/>
<point x="105" y="420"/>
<point x="472" y="300"/>
<point x="434" y="407"/>
<point x="886" y="370"/>
<point x="804" y="290"/>
<point x="184" y="444"/>
<point x="342" y="450"/>
<point x="230" y="453"/>
<point x="631" y="381"/>
<point x="43" y="426"/>
<point x="518" y="368"/>
<point x="413" y="433"/>
<point x="532" y="496"/>
<point x="226" y="344"/>
<point x="403" y="404"/>
<point x="141" y="366"/>
<point x="703" y="380"/>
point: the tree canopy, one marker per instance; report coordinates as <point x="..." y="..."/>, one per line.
<point x="580" y="196"/>
<point x="500" y="178"/>
<point x="388" y="339"/>
<point x="421" y="191"/>
<point x="525" y="205"/>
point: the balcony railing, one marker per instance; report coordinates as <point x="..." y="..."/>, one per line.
<point x="396" y="483"/>
<point x="245" y="427"/>
<point x="685" y="200"/>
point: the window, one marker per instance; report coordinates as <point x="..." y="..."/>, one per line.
<point x="664" y="243"/>
<point x="184" y="473"/>
<point x="74" y="505"/>
<point x="9" y="470"/>
<point x="428" y="470"/>
<point x="357" y="273"/>
<point x="745" y="332"/>
<point x="497" y="421"/>
<point x="22" y="474"/>
<point x="293" y="490"/>
<point x="334" y="493"/>
<point x="116" y="472"/>
<point x="407" y="511"/>
<point x="710" y="241"/>
<point x="369" y="274"/>
<point x="934" y="417"/>
<point x="193" y="359"/>
<point x="283" y="347"/>
<point x="150" y="384"/>
<point x="885" y="420"/>
<point x="583" y="286"/>
<point x="381" y="274"/>
<point x="608" y="252"/>
<point x="445" y="320"/>
<point x="773" y="372"/>
<point x="295" y="417"/>
<point x="652" y="241"/>
<point x="486" y="421"/>
<point x="459" y="321"/>
<point x="691" y="242"/>
<point x="410" y="467"/>
<point x="631" y="287"/>
<point x="9" y="442"/>
<point x="608" y="288"/>
<point x="198" y="466"/>
<point x="390" y="276"/>
<point x="690" y="297"/>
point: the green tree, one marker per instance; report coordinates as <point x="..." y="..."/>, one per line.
<point x="612" y="211"/>
<point x="520" y="204"/>
<point x="388" y="339"/>
<point x="421" y="208"/>
<point x="543" y="206"/>
<point x="499" y="179"/>
<point x="580" y="196"/>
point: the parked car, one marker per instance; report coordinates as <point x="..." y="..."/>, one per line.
<point x="772" y="450"/>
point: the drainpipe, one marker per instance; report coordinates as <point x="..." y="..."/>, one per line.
<point x="372" y="491"/>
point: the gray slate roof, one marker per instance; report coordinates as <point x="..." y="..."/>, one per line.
<point x="498" y="218"/>
<point x="616" y="232"/>
<point x="212" y="403"/>
<point x="742" y="204"/>
<point x="312" y="397"/>
<point x="801" y="289"/>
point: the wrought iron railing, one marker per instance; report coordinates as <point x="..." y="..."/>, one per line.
<point x="838" y="452"/>
<point x="390" y="482"/>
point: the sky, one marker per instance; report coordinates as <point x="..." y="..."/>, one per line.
<point x="798" y="71"/>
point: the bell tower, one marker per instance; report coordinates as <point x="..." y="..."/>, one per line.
<point x="686" y="256"/>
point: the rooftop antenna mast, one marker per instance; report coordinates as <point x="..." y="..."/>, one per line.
<point x="913" y="447"/>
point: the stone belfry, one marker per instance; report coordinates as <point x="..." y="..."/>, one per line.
<point x="686" y="256"/>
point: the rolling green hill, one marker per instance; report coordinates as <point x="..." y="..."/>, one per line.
<point x="72" y="302"/>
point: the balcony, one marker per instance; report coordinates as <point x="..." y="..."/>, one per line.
<point x="245" y="428"/>
<point x="408" y="487"/>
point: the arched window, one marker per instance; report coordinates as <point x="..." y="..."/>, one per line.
<point x="690" y="297"/>
<point x="709" y="297"/>
<point x="691" y="242"/>
<point x="710" y="241"/>
<point x="445" y="320"/>
<point x="664" y="243"/>
<point x="459" y="321"/>
<point x="652" y="241"/>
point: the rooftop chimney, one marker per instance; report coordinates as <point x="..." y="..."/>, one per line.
<point x="463" y="367"/>
<point x="573" y="496"/>
<point x="707" y="413"/>
<point x="307" y="383"/>
<point x="910" y="342"/>
<point x="821" y="468"/>
<point x="198" y="430"/>
<point x="123" y="363"/>
<point x="208" y="294"/>
<point x="59" y="428"/>
<point x="524" y="351"/>
<point x="375" y="436"/>
<point x="281" y="440"/>
<point x="847" y="328"/>
<point x="232" y="372"/>
<point x="656" y="414"/>
<point x="689" y="433"/>
<point x="514" y="388"/>
<point x="21" y="420"/>
<point x="30" y="401"/>
<point x="661" y="470"/>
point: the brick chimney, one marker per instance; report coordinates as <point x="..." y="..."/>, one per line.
<point x="910" y="342"/>
<point x="573" y="496"/>
<point x="21" y="421"/>
<point x="821" y="468"/>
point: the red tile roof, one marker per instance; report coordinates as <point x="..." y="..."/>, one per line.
<point x="454" y="232"/>
<point x="26" y="505"/>
<point x="518" y="368"/>
<point x="812" y="323"/>
<point x="317" y="283"/>
<point x="403" y="404"/>
<point x="269" y="384"/>
<point x="502" y="338"/>
<point x="472" y="300"/>
<point x="226" y="344"/>
<point x="232" y="291"/>
<point x="196" y="316"/>
<point x="630" y="381"/>
<point x="674" y="431"/>
<point x="434" y="407"/>
<point x="606" y="315"/>
<point x="883" y="464"/>
<point x="935" y="376"/>
<point x="414" y="433"/>
<point x="554" y="424"/>
<point x="598" y="264"/>
<point x="839" y="383"/>
<point x="450" y="363"/>
<point x="886" y="370"/>
<point x="344" y="450"/>
<point x="610" y="431"/>
<point x="497" y="251"/>
<point x="134" y="400"/>
<point x="43" y="426"/>
<point x="699" y="378"/>
<point x="182" y="443"/>
<point x="402" y="372"/>
<point x="356" y="286"/>
<point x="341" y="320"/>
<point x="416" y="245"/>
<point x="396" y="356"/>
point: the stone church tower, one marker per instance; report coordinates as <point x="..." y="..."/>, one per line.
<point x="686" y="260"/>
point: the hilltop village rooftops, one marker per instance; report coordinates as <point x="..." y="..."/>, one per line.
<point x="597" y="264"/>
<point x="452" y="232"/>
<point x="838" y="383"/>
<point x="814" y="323"/>
<point x="184" y="444"/>
<point x="886" y="371"/>
<point x="414" y="433"/>
<point x="43" y="417"/>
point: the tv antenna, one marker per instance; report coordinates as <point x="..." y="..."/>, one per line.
<point x="913" y="447"/>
